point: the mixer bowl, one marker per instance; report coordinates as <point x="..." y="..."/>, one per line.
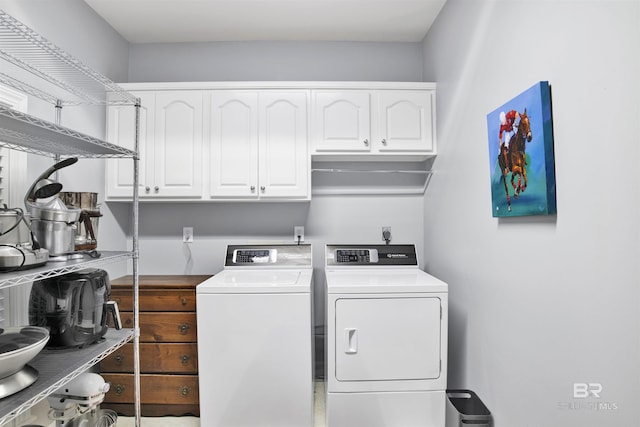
<point x="18" y="345"/>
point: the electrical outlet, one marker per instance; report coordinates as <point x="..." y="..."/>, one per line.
<point x="386" y="234"/>
<point x="187" y="234"/>
<point x="298" y="234"/>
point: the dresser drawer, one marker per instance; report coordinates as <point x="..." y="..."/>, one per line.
<point x="174" y="358"/>
<point x="156" y="299"/>
<point x="164" y="327"/>
<point x="157" y="389"/>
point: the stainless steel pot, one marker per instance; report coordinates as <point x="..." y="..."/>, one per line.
<point x="14" y="227"/>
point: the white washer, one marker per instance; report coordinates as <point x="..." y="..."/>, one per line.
<point x="386" y="338"/>
<point x="255" y="339"/>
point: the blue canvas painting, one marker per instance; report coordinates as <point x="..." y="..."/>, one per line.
<point x="521" y="155"/>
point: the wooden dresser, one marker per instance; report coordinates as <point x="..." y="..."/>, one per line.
<point x="168" y="347"/>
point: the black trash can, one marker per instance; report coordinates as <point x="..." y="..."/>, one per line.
<point x="465" y="409"/>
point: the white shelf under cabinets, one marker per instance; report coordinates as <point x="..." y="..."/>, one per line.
<point x="58" y="367"/>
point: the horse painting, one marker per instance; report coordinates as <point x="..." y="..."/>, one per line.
<point x="521" y="161"/>
<point x="514" y="159"/>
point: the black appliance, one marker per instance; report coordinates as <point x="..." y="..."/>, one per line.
<point x="73" y="306"/>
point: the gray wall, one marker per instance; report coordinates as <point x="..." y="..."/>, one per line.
<point x="262" y="61"/>
<point x="538" y="304"/>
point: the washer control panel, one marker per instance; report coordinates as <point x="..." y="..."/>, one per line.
<point x="371" y="255"/>
<point x="268" y="256"/>
<point x="258" y="256"/>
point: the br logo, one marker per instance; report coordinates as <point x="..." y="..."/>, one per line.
<point x="584" y="390"/>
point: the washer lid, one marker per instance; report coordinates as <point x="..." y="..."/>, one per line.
<point x="376" y="280"/>
<point x="257" y="281"/>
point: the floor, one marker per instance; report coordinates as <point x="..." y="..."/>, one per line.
<point x="319" y="416"/>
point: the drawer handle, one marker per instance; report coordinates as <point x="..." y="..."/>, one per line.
<point x="384" y="141"/>
<point x="183" y="301"/>
<point x="185" y="359"/>
<point x="366" y="142"/>
<point x="184" y="391"/>
<point x="119" y="360"/>
<point x="119" y="389"/>
<point x="184" y="328"/>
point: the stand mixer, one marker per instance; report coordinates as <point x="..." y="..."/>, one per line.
<point x="77" y="403"/>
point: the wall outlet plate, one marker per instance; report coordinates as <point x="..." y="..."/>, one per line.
<point x="386" y="233"/>
<point x="187" y="234"/>
<point x="298" y="233"/>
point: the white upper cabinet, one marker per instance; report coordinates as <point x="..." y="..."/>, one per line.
<point x="218" y="141"/>
<point x="373" y="122"/>
<point x="259" y="144"/>
<point x="404" y="121"/>
<point x="171" y="132"/>
<point x="341" y="121"/>
<point x="177" y="150"/>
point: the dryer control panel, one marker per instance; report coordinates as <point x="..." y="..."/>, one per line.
<point x="371" y="255"/>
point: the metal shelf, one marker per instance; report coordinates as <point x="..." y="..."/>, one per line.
<point x="34" y="66"/>
<point x="67" y="79"/>
<point x="58" y="367"/>
<point x="57" y="268"/>
<point x="23" y="132"/>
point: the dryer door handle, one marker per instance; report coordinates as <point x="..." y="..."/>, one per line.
<point x="351" y="338"/>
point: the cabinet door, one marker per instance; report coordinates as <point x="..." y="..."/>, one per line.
<point x="404" y="121"/>
<point x="121" y="131"/>
<point x="234" y="144"/>
<point x="341" y="121"/>
<point x="283" y="154"/>
<point x="178" y="144"/>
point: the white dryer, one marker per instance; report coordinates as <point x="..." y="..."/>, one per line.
<point x="386" y="338"/>
<point x="255" y="339"/>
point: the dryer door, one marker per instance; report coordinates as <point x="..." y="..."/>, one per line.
<point x="383" y="339"/>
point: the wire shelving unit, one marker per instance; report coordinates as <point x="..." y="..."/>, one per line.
<point x="32" y="65"/>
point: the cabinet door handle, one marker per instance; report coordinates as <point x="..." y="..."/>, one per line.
<point x="184" y="391"/>
<point x="184" y="328"/>
<point x="384" y="141"/>
<point x="185" y="359"/>
<point x="156" y="189"/>
<point x="147" y="189"/>
<point x="263" y="188"/>
<point x="366" y="142"/>
<point x="253" y="188"/>
<point x="119" y="389"/>
<point x="119" y="360"/>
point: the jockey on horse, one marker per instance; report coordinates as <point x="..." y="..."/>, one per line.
<point x="507" y="122"/>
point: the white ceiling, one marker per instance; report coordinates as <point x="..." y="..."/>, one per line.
<point x="172" y="21"/>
